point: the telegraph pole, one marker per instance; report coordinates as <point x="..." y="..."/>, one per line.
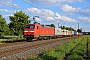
<point x="78" y="25"/>
<point x="78" y="30"/>
<point x="58" y="25"/>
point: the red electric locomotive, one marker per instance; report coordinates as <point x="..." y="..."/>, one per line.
<point x="36" y="31"/>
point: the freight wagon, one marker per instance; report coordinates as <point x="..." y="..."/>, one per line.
<point x="58" y="32"/>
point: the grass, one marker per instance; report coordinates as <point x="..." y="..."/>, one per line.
<point x="89" y="48"/>
<point x="58" y="53"/>
<point x="10" y="40"/>
<point x="74" y="57"/>
<point x="78" y="52"/>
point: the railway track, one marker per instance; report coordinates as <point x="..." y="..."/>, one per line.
<point x="22" y="50"/>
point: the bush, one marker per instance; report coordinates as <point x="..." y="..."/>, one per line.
<point x="74" y="57"/>
<point x="11" y="40"/>
<point x="78" y="52"/>
<point x="89" y="48"/>
<point x="47" y="57"/>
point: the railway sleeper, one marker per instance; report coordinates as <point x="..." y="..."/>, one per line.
<point x="32" y="52"/>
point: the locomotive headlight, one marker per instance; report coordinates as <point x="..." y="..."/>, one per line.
<point x="25" y="31"/>
<point x="31" y="31"/>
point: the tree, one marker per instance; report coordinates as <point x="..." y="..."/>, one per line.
<point x="18" y="22"/>
<point x="60" y="27"/>
<point x="63" y="27"/>
<point x="70" y="28"/>
<point x="3" y="26"/>
<point x="67" y="28"/>
<point x="79" y="30"/>
<point x="52" y="25"/>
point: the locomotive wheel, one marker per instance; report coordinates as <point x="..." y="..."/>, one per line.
<point x="28" y="39"/>
<point x="40" y="38"/>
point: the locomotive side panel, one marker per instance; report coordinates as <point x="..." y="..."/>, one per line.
<point x="44" y="31"/>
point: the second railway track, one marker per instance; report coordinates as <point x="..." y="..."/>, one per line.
<point x="23" y="50"/>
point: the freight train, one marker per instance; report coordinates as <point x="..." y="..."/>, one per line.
<point x="39" y="32"/>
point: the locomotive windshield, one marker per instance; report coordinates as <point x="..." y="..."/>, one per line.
<point x="30" y="26"/>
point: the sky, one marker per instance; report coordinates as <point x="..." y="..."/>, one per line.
<point x="63" y="12"/>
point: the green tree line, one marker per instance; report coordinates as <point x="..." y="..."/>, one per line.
<point x="67" y="28"/>
<point x="70" y="28"/>
<point x="16" y="26"/>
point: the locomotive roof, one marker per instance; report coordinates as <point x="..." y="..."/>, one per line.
<point x="48" y="26"/>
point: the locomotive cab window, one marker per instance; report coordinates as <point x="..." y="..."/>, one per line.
<point x="29" y="26"/>
<point x="32" y="27"/>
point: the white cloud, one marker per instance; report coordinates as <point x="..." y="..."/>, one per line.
<point x="4" y="10"/>
<point x="15" y="5"/>
<point x="48" y="12"/>
<point x="71" y="1"/>
<point x="64" y="18"/>
<point x="85" y="12"/>
<point x="33" y="10"/>
<point x="50" y="19"/>
<point x="85" y="19"/>
<point x="42" y="1"/>
<point x="43" y="12"/>
<point x="57" y="16"/>
<point x="38" y="19"/>
<point x="48" y="15"/>
<point x="8" y="11"/>
<point x="52" y="2"/>
<point x="80" y="0"/>
<point x="68" y="8"/>
<point x="7" y="16"/>
<point x="9" y="3"/>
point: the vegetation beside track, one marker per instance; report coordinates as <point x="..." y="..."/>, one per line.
<point x="58" y="53"/>
<point x="11" y="40"/>
<point x="78" y="52"/>
<point x="89" y="48"/>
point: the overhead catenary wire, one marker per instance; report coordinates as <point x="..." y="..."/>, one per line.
<point x="33" y="5"/>
<point x="7" y="5"/>
<point x="29" y="4"/>
<point x="11" y="6"/>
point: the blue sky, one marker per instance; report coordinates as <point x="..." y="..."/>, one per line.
<point x="65" y="12"/>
